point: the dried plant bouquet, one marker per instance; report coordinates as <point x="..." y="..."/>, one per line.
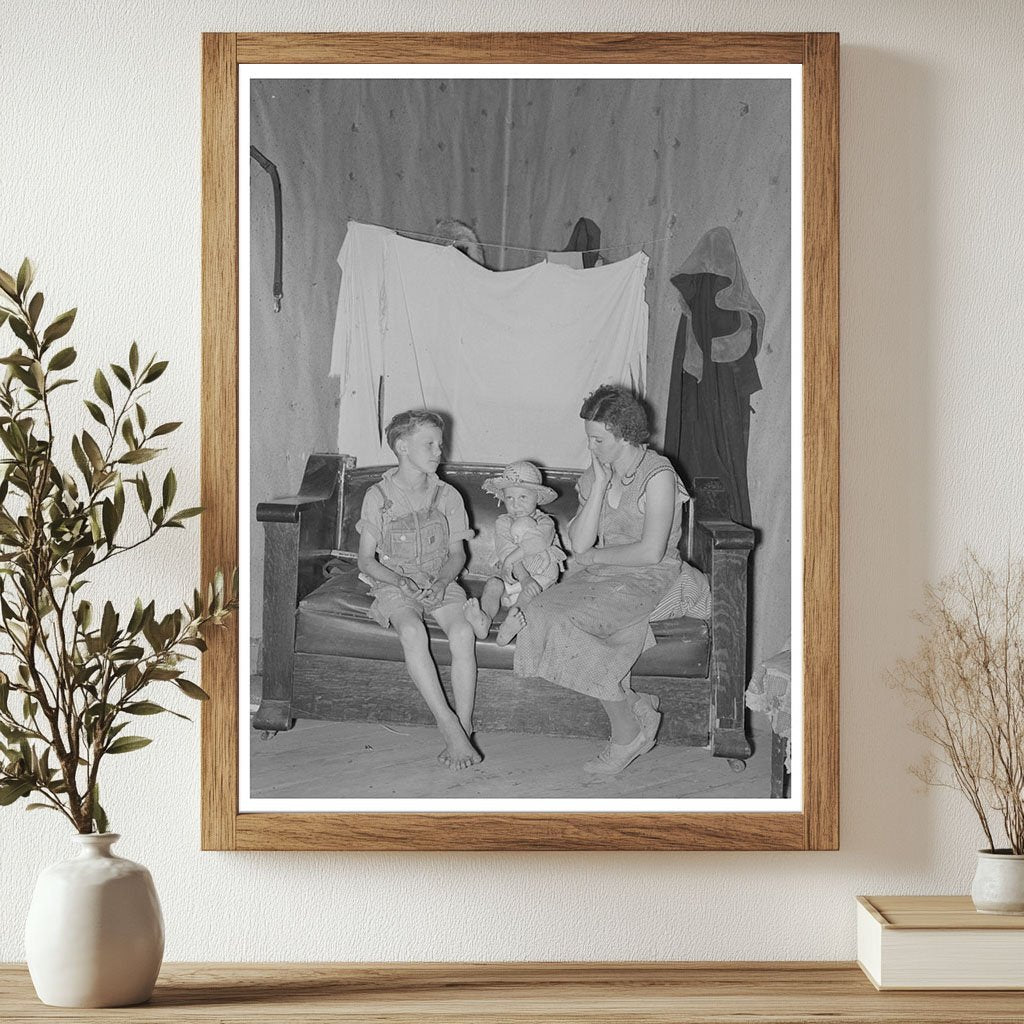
<point x="76" y="674"/>
<point x="967" y="680"/>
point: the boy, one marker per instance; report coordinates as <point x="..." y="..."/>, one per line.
<point x="411" y="532"/>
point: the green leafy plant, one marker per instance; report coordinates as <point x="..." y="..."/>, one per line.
<point x="80" y="672"/>
<point x="966" y="681"/>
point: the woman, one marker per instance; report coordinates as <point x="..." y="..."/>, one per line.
<point x="586" y="632"/>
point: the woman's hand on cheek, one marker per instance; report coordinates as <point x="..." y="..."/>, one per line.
<point x="602" y="474"/>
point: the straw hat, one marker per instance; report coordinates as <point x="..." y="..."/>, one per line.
<point x="520" y="474"/>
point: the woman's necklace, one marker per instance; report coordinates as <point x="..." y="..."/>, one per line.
<point x="627" y="478"/>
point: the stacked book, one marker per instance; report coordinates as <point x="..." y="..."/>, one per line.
<point x="906" y="942"/>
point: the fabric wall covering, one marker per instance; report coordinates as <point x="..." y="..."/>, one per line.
<point x="421" y="325"/>
<point x="652" y="162"/>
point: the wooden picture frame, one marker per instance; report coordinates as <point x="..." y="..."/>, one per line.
<point x="816" y="826"/>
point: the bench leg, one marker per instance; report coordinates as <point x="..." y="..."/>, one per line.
<point x="280" y="594"/>
<point x="729" y="719"/>
<point x="273" y="716"/>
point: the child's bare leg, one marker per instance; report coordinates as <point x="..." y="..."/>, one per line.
<point x="415" y="646"/>
<point x="491" y="599"/>
<point x="480" y="614"/>
<point x="462" y="644"/>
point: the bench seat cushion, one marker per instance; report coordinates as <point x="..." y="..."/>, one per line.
<point x="333" y="621"/>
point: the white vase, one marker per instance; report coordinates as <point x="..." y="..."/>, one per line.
<point x="999" y="882"/>
<point x="95" y="934"/>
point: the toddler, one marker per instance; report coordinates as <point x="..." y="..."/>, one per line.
<point x="526" y="553"/>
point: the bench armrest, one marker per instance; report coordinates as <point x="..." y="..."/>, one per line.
<point x="320" y="484"/>
<point x="727" y="535"/>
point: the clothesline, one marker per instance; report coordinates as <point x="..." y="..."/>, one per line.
<point x="523" y="248"/>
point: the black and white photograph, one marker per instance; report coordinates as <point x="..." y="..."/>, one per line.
<point x="520" y="433"/>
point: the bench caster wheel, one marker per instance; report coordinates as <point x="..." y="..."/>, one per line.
<point x="737" y="765"/>
<point x="267" y="734"/>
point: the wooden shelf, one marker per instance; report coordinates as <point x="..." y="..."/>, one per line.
<point x="680" y="993"/>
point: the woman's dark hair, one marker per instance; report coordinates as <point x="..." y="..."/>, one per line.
<point x="621" y="412"/>
<point x="405" y="423"/>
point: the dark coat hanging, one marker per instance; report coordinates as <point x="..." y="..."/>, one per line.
<point x="707" y="426"/>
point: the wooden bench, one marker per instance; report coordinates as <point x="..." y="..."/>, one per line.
<point x="323" y="658"/>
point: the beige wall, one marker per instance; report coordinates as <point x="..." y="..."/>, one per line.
<point x="100" y="172"/>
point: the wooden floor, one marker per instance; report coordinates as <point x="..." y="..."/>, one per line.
<point x="356" y="760"/>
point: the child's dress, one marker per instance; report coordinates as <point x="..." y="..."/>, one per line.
<point x="413" y="539"/>
<point x="542" y="556"/>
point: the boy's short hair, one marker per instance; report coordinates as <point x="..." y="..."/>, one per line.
<point x="621" y="412"/>
<point x="405" y="423"/>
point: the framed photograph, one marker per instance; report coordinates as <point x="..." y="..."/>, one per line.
<point x="520" y="417"/>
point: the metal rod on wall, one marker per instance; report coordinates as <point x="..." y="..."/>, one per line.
<point x="275" y="180"/>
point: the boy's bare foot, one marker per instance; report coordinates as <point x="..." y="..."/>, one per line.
<point x="477" y="618"/>
<point x="459" y="751"/>
<point x="509" y="629"/>
<point x="455" y="758"/>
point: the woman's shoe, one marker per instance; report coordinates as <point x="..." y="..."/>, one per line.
<point x="617" y="756"/>
<point x="645" y="710"/>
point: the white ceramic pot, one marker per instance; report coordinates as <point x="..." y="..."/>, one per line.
<point x="999" y="882"/>
<point x="95" y="934"/>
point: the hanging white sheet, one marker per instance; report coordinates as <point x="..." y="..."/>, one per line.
<point x="508" y="357"/>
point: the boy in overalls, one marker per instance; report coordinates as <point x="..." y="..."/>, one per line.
<point x="411" y="532"/>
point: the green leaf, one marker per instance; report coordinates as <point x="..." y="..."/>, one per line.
<point x="140" y="415"/>
<point x="12" y="733"/>
<point x="191" y="690"/>
<point x="121" y="374"/>
<point x="95" y="412"/>
<point x="144" y="707"/>
<point x="170" y="488"/>
<point x="145" y="498"/>
<point x="7" y="283"/>
<point x="63" y="359"/>
<point x="170" y="674"/>
<point x="60" y="326"/>
<point x="138" y="614"/>
<point x="14" y="790"/>
<point x="154" y="371"/>
<point x="185" y="513"/>
<point x="80" y="459"/>
<point x="128" y="433"/>
<point x="92" y="449"/>
<point x="102" y="388"/>
<point x="41" y="807"/>
<point x="139" y="455"/>
<point x="108" y="627"/>
<point x="26" y="272"/>
<point x="34" y="308"/>
<point x="109" y="521"/>
<point x="99" y="817"/>
<point x="83" y="613"/>
<point x="125" y="744"/>
<point x="133" y="358"/>
<point x="20" y="328"/>
<point x="165" y="428"/>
